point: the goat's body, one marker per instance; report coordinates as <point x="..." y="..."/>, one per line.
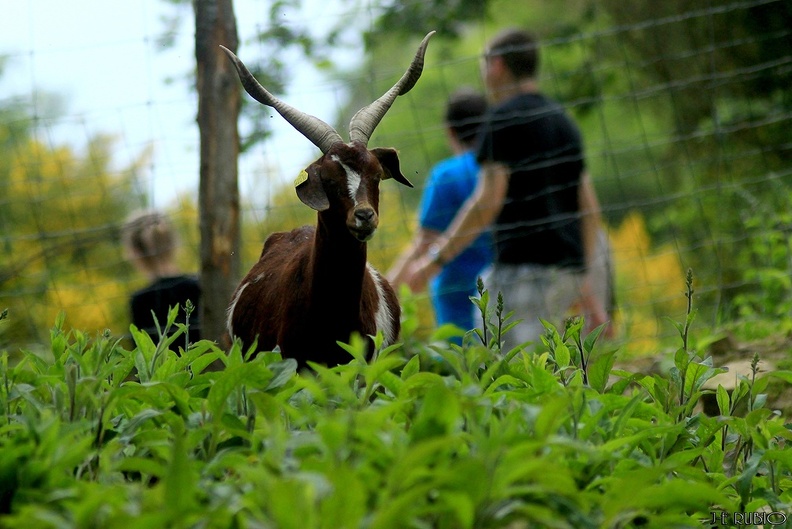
<point x="304" y="295"/>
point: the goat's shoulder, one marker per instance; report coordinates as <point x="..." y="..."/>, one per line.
<point x="283" y="259"/>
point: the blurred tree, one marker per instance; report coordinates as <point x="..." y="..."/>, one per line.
<point x="709" y="53"/>
<point x="447" y="17"/>
<point x="218" y="110"/>
<point x="718" y="73"/>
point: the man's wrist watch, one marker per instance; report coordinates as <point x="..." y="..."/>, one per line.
<point x="434" y="255"/>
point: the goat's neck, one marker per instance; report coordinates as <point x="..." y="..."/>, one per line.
<point x="339" y="260"/>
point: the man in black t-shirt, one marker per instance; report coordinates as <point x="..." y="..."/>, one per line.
<point x="534" y="191"/>
<point x="541" y="147"/>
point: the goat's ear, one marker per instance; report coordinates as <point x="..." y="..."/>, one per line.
<point x="310" y="189"/>
<point x="389" y="160"/>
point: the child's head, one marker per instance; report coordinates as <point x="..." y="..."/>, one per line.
<point x="464" y="112"/>
<point x="149" y="241"/>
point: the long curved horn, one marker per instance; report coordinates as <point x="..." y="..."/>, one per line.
<point x="367" y="118"/>
<point x="317" y="131"/>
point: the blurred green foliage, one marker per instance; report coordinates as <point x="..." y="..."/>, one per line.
<point x="422" y="435"/>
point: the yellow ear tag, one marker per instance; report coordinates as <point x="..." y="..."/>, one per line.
<point x="302" y="177"/>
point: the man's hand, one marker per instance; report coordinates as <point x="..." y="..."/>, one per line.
<point x="419" y="272"/>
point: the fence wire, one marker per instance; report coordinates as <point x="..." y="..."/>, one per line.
<point x="685" y="116"/>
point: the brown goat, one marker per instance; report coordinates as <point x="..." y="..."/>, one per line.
<point x="313" y="287"/>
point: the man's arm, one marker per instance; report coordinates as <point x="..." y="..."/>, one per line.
<point x="591" y="224"/>
<point x="590" y="218"/>
<point x="476" y="214"/>
<point x="423" y="239"/>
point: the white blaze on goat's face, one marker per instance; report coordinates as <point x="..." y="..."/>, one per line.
<point x="353" y="179"/>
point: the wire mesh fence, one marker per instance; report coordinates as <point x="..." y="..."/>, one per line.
<point x="685" y="112"/>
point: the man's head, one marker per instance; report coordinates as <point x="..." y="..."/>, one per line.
<point x="518" y="50"/>
<point x="510" y="64"/>
<point x="464" y="112"/>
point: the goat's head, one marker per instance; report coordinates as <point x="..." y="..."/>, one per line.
<point x="346" y="180"/>
<point x="347" y="175"/>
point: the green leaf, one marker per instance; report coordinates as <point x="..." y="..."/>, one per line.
<point x="291" y="500"/>
<point x="552" y="415"/>
<point x="786" y="376"/>
<point x="633" y="439"/>
<point x="503" y="380"/>
<point x="446" y="332"/>
<point x="690" y="317"/>
<point x="593" y="336"/>
<point x="179" y="396"/>
<point x="373" y="372"/>
<point x="562" y="355"/>
<point x="681" y="359"/>
<point x="738" y="393"/>
<point x="781" y="456"/>
<point x="180" y="480"/>
<point x="392" y="383"/>
<point x="227" y="382"/>
<point x="130" y="428"/>
<point x="356" y="347"/>
<point x="438" y="415"/>
<point x="412" y="367"/>
<point x="722" y="397"/>
<point x="387" y="351"/>
<point x="680" y="327"/>
<point x="419" y="382"/>
<point x="345" y="505"/>
<point x="599" y="370"/>
<point x="234" y="357"/>
<point x="202" y="362"/>
<point x="283" y="372"/>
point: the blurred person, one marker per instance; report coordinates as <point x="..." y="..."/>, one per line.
<point x="150" y="243"/>
<point x="535" y="193"/>
<point x="450" y="184"/>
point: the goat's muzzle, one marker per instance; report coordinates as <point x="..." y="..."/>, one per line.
<point x="363" y="223"/>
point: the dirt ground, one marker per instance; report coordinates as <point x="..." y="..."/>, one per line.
<point x="775" y="353"/>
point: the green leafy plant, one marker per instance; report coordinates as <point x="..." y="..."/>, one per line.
<point x="419" y="435"/>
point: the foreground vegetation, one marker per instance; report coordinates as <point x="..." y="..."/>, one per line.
<point x="420" y="436"/>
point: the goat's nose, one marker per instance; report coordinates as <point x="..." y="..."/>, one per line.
<point x="364" y="214"/>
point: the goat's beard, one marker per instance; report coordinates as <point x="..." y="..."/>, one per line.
<point x="362" y="234"/>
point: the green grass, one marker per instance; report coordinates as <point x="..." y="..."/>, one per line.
<point x="421" y="436"/>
